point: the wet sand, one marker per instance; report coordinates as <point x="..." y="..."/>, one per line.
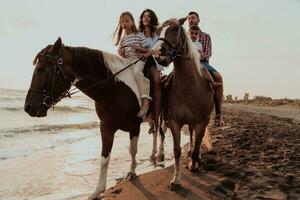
<point x="256" y="156"/>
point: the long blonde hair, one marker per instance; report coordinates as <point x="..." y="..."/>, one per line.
<point x="119" y="30"/>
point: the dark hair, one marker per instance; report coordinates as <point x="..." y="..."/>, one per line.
<point x="119" y="29"/>
<point x="194" y="28"/>
<point x="153" y="21"/>
<point x="193" y="13"/>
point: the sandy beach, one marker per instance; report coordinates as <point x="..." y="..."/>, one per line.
<point x="255" y="156"/>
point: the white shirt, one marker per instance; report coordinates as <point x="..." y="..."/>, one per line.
<point x="198" y="45"/>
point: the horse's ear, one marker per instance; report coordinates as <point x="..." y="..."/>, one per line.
<point x="57" y="45"/>
<point x="182" y="20"/>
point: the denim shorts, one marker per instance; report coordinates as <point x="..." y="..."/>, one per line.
<point x="209" y="68"/>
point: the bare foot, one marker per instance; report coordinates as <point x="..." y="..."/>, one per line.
<point x="144" y="108"/>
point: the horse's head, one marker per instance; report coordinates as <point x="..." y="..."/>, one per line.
<point x="50" y="81"/>
<point x="171" y="41"/>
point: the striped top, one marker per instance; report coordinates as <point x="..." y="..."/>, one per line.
<point x="133" y="39"/>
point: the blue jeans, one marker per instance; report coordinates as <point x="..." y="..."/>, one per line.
<point x="210" y="69"/>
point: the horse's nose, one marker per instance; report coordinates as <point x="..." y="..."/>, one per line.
<point x="27" y="108"/>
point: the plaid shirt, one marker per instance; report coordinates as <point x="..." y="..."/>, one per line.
<point x="205" y="40"/>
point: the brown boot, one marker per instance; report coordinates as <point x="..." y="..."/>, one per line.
<point x="144" y="108"/>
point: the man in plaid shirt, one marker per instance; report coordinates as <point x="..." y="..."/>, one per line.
<point x="205" y="40"/>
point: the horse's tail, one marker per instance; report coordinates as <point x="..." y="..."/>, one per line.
<point x="207" y="140"/>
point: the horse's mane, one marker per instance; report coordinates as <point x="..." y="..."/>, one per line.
<point x="193" y="53"/>
<point x="40" y="53"/>
<point x="91" y="59"/>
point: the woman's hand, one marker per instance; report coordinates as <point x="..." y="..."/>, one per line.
<point x="156" y="53"/>
<point x="144" y="56"/>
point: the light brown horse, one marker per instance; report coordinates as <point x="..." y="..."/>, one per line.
<point x="93" y="72"/>
<point x="190" y="98"/>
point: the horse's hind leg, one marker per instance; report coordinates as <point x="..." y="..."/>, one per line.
<point x="154" y="147"/>
<point x="107" y="135"/>
<point x="191" y="146"/>
<point x="134" y="136"/>
<point x="175" y="129"/>
<point x="160" y="156"/>
<point x="199" y="133"/>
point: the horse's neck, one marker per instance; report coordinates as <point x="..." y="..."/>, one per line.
<point x="90" y="69"/>
<point x="186" y="69"/>
<point x="187" y="72"/>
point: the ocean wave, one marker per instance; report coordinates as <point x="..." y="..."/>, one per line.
<point x="51" y="128"/>
<point x="13" y="98"/>
<point x="57" y="108"/>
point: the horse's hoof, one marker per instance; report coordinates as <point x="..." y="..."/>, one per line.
<point x="193" y="166"/>
<point x="130" y="176"/>
<point x="95" y="196"/>
<point x="219" y="122"/>
<point x="152" y="158"/>
<point x="160" y="157"/>
<point x="175" y="187"/>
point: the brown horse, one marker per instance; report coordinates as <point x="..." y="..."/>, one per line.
<point x="190" y="98"/>
<point x="93" y="72"/>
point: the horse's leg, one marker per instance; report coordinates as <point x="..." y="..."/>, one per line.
<point x="175" y="129"/>
<point x="160" y="156"/>
<point x="107" y="136"/>
<point x="157" y="92"/>
<point x="199" y="133"/>
<point x="154" y="147"/>
<point x="134" y="137"/>
<point x="191" y="140"/>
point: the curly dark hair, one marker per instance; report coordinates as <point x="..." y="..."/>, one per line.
<point x="153" y="21"/>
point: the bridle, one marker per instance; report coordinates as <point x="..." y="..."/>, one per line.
<point x="48" y="93"/>
<point x="175" y="51"/>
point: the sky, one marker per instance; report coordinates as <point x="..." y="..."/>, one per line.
<point x="255" y="44"/>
